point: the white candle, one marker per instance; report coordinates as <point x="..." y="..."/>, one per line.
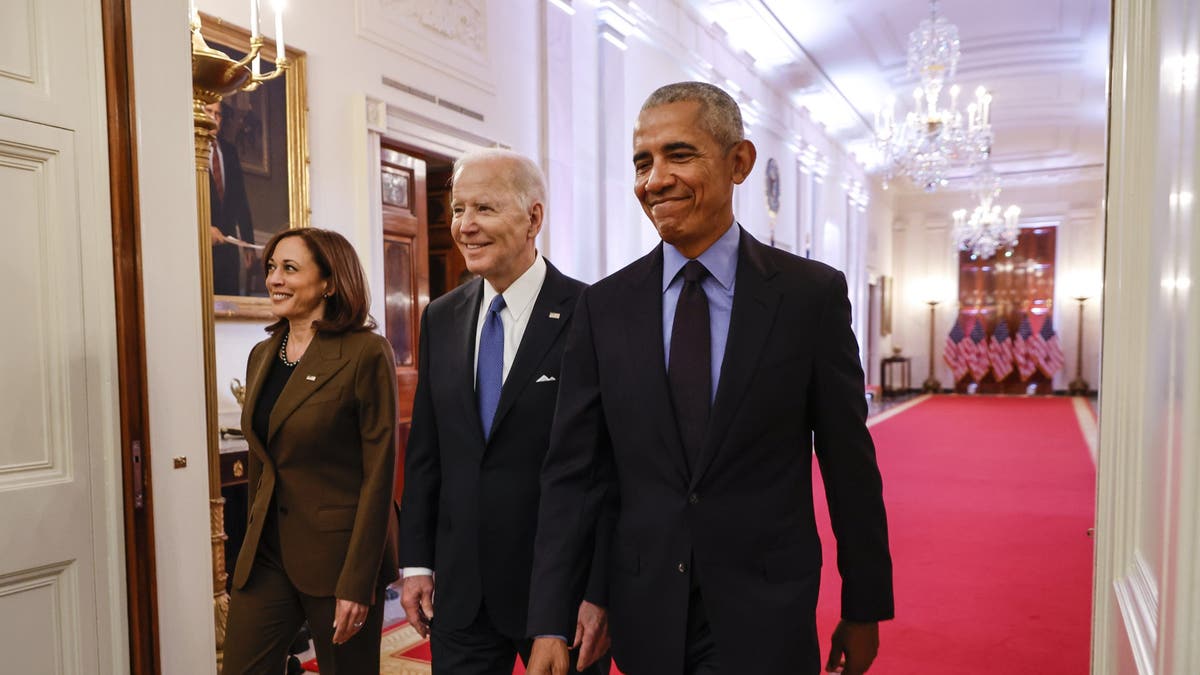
<point x="257" y="65"/>
<point x="253" y="19"/>
<point x="279" y="49"/>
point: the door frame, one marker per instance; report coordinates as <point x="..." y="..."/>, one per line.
<point x="137" y="498"/>
<point x="422" y="134"/>
<point x="408" y="132"/>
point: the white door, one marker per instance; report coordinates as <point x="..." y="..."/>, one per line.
<point x="61" y="566"/>
<point x="1147" y="591"/>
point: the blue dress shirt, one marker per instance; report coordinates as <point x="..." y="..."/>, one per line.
<point x="721" y="261"/>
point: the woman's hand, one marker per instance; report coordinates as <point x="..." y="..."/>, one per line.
<point x="348" y="619"/>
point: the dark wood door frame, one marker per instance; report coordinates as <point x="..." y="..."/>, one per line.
<point x="140" y="575"/>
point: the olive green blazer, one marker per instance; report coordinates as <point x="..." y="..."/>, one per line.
<point x="329" y="461"/>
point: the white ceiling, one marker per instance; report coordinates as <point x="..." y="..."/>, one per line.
<point x="1044" y="61"/>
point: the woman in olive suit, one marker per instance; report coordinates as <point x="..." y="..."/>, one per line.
<point x="320" y="419"/>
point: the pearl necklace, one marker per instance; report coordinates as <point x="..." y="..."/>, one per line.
<point x="283" y="353"/>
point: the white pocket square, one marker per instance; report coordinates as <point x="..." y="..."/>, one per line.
<point x="546" y="378"/>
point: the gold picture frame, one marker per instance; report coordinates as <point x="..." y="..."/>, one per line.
<point x="273" y="165"/>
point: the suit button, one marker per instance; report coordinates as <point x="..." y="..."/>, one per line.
<point x="682" y="567"/>
<point x="693" y="499"/>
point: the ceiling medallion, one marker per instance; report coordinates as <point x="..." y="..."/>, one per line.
<point x="930" y="139"/>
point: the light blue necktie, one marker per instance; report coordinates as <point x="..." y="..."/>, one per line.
<point x="489" y="374"/>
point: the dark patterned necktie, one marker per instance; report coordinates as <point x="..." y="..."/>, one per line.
<point x="489" y="373"/>
<point x="690" y="369"/>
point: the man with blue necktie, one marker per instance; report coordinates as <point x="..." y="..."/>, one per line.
<point x="488" y="373"/>
<point x="696" y="383"/>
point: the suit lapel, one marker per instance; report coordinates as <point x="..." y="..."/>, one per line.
<point x="540" y="335"/>
<point x="754" y="304"/>
<point x="462" y="356"/>
<point x="321" y="360"/>
<point x="256" y="373"/>
<point x="647" y="360"/>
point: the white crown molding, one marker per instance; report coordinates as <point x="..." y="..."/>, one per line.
<point x="449" y="36"/>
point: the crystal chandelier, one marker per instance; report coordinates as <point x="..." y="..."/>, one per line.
<point x="989" y="227"/>
<point x="930" y="139"/>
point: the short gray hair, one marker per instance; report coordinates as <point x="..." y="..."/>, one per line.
<point x="720" y="115"/>
<point x="525" y="177"/>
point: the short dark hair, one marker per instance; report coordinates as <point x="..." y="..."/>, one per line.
<point x="720" y="115"/>
<point x="346" y="308"/>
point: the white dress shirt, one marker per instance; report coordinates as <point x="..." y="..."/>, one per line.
<point x="518" y="307"/>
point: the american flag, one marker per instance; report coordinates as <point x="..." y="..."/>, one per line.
<point x="1000" y="351"/>
<point x="1048" y="351"/>
<point x="953" y="355"/>
<point x="1025" y="361"/>
<point x="977" y="355"/>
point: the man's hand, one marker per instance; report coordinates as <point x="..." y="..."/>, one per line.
<point x="218" y="237"/>
<point x="548" y="657"/>
<point x="591" y="631"/>
<point x="348" y="618"/>
<point x="416" y="596"/>
<point x="853" y="647"/>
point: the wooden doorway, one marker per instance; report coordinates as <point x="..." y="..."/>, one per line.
<point x="420" y="261"/>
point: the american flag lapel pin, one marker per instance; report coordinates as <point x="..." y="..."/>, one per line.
<point x="555" y="315"/>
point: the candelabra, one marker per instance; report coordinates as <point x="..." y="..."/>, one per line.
<point x="930" y="138"/>
<point x="987" y="230"/>
<point x="931" y="384"/>
<point x="1079" y="386"/>
<point x="214" y="76"/>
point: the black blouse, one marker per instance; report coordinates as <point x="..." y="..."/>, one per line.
<point x="277" y="377"/>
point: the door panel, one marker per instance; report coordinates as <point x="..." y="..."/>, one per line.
<point x="47" y="563"/>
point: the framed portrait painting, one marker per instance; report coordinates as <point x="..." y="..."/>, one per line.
<point x="259" y="174"/>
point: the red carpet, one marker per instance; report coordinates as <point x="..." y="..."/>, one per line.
<point x="989" y="501"/>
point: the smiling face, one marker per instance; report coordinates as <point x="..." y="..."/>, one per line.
<point x="494" y="229"/>
<point x="684" y="178"/>
<point x="295" y="282"/>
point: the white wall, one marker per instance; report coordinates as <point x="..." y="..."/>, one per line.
<point x="877" y="256"/>
<point x="924" y="254"/>
<point x="174" y="350"/>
